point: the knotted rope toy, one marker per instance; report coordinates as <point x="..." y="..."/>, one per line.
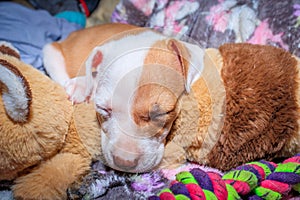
<point x="253" y="181"/>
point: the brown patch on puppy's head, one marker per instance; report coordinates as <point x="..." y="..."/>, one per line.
<point x="161" y="84"/>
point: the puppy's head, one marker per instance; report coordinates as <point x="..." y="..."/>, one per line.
<point x="137" y="96"/>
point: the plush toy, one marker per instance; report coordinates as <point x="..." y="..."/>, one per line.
<point x="46" y="143"/>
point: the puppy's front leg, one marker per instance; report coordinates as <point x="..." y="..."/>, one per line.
<point x="54" y="63"/>
<point x="81" y="89"/>
<point x="76" y="90"/>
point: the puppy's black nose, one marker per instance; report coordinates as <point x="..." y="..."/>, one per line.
<point x="125" y="163"/>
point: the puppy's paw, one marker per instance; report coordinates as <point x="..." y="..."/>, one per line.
<point x="76" y="89"/>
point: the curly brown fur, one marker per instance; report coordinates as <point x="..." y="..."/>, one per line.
<point x="261" y="104"/>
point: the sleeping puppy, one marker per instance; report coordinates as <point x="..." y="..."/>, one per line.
<point x="135" y="77"/>
<point x="138" y="79"/>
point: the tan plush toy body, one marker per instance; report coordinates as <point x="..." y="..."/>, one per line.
<point x="42" y="145"/>
<point x="244" y="107"/>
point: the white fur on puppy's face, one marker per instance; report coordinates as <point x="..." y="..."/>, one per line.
<point x="134" y="127"/>
<point x="119" y="77"/>
<point x="121" y="136"/>
<point x="140" y="80"/>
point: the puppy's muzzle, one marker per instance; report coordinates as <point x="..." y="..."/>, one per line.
<point x="125" y="153"/>
<point x="125" y="164"/>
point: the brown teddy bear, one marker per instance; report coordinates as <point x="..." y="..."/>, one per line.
<point x="46" y="143"/>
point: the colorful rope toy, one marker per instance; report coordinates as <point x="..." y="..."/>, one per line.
<point x="253" y="181"/>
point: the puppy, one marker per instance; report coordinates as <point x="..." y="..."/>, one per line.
<point x="137" y="77"/>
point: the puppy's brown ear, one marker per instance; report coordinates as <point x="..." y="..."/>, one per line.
<point x="182" y="54"/>
<point x="15" y="91"/>
<point x="92" y="64"/>
<point x="97" y="59"/>
<point x="190" y="58"/>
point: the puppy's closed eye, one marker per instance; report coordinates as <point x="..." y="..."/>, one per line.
<point x="153" y="116"/>
<point x="157" y="115"/>
<point x="105" y="112"/>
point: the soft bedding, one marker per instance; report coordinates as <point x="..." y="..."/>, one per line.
<point x="29" y="30"/>
<point x="212" y="23"/>
<point x="254" y="181"/>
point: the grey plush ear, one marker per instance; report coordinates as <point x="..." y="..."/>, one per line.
<point x="15" y="91"/>
<point x="9" y="49"/>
